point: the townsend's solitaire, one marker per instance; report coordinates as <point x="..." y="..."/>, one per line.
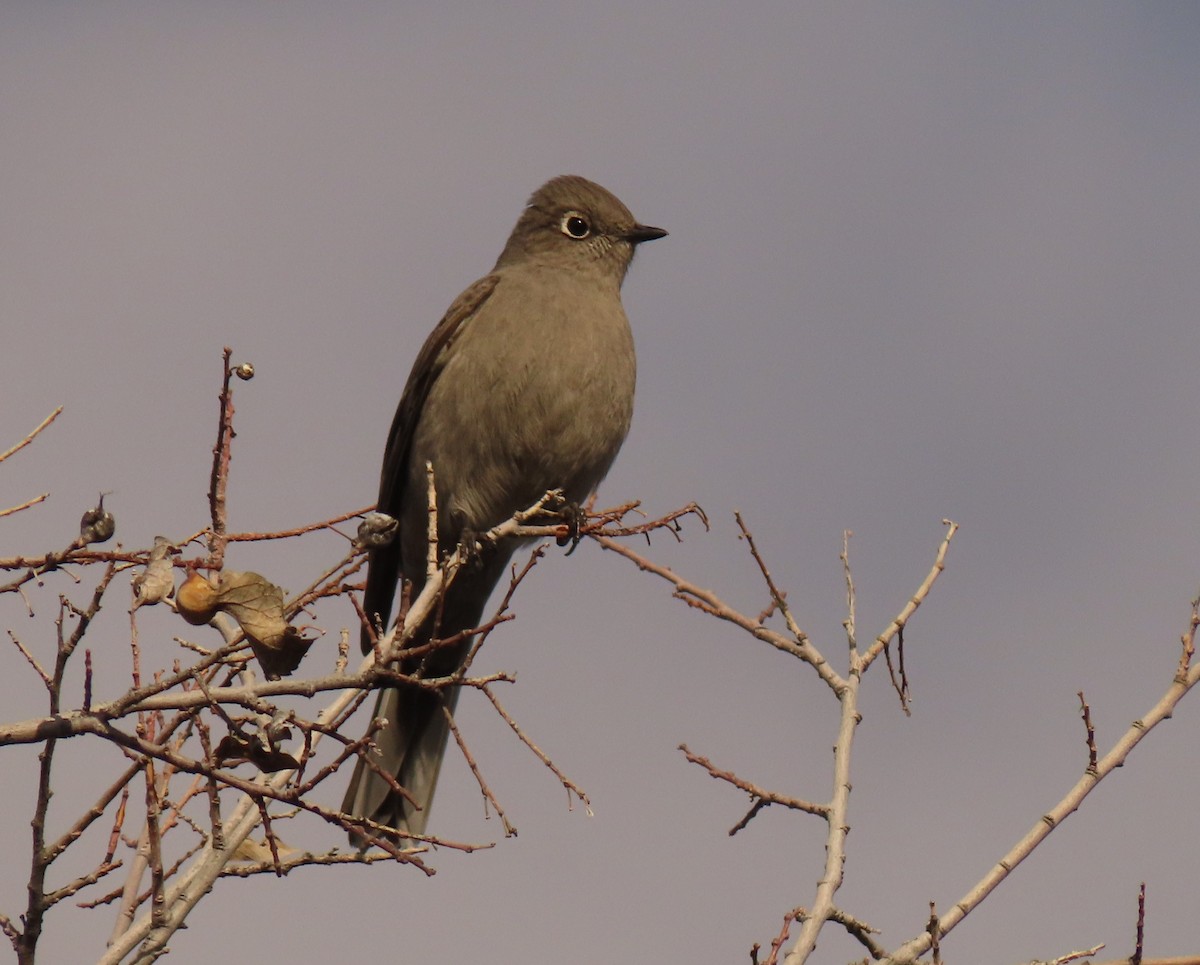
<point x="525" y="385"/>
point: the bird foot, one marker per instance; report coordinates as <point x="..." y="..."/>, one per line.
<point x="473" y="546"/>
<point x="574" y="516"/>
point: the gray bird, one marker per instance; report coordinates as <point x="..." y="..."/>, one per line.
<point x="525" y="385"/>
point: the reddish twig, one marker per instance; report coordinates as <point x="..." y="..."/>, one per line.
<point x="762" y="796"/>
<point x="219" y="478"/>
<point x="488" y="796"/>
<point x="1139" y="946"/>
<point x="571" y="786"/>
<point x="777" y="942"/>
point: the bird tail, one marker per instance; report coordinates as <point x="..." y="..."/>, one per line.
<point x="410" y="748"/>
<point x="413" y="743"/>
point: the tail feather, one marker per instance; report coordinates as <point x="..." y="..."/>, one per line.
<point x="411" y="748"/>
<point x="413" y="743"/>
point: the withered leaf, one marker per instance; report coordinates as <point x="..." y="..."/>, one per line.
<point x="237" y="749"/>
<point x="259" y="852"/>
<point x="257" y="605"/>
<point x="157" y="581"/>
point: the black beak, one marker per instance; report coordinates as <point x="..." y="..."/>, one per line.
<point x="643" y="232"/>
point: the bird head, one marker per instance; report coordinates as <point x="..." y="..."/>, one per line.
<point x="576" y="224"/>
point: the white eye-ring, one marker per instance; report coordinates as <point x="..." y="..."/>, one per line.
<point x="574" y="225"/>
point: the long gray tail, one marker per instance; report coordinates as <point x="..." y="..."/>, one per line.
<point x="410" y="748"/>
<point x="413" y="744"/>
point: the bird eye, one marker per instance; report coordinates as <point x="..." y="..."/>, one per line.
<point x="574" y="225"/>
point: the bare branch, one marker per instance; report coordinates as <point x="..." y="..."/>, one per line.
<point x="1070" y="803"/>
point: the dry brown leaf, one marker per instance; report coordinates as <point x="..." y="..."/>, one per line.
<point x="157" y="581"/>
<point x="236" y="749"/>
<point x="257" y="605"/>
<point x="259" y="852"/>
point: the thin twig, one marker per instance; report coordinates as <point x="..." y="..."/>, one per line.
<point x="31" y="501"/>
<point x="488" y="796"/>
<point x="1086" y="713"/>
<point x="571" y="786"/>
<point x="761" y="795"/>
<point x="219" y="478"/>
<point x="1140" y="931"/>
<point x="32" y="435"/>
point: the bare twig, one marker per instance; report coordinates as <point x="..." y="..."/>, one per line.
<point x="488" y="797"/>
<point x="219" y="478"/>
<point x="37" y="667"/>
<point x="31" y="435"/>
<point x="851" y="599"/>
<point x="571" y="786"/>
<point x="778" y="598"/>
<point x="762" y="796"/>
<point x="31" y="501"/>
<point x="777" y="942"/>
<point x="1086" y="713"/>
<point x="1140" y="932"/>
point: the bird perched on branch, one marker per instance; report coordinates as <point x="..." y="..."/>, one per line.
<point x="526" y="385"/>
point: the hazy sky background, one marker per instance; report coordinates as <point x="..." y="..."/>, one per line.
<point x="926" y="260"/>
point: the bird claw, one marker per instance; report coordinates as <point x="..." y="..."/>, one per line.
<point x="574" y="516"/>
<point x="473" y="546"/>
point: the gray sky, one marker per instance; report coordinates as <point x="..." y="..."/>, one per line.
<point x="926" y="260"/>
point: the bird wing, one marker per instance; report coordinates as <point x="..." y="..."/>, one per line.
<point x="383" y="569"/>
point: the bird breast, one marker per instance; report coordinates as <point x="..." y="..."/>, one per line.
<point x="537" y="395"/>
